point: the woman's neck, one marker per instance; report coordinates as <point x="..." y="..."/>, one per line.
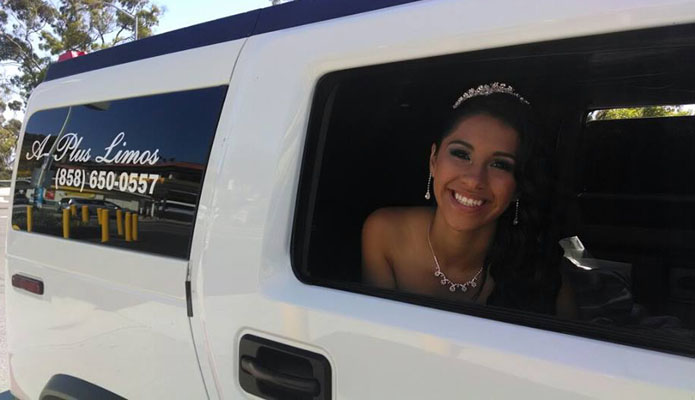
<point x="460" y="250"/>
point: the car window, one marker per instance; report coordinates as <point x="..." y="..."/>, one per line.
<point x="129" y="157"/>
<point x="613" y="203"/>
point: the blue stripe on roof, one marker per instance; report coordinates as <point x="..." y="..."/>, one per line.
<point x="288" y="15"/>
<point x="217" y="31"/>
<point x="302" y="12"/>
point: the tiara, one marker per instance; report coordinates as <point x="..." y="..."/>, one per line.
<point x="488" y="89"/>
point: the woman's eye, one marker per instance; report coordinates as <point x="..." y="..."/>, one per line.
<point x="462" y="154"/>
<point x="503" y="165"/>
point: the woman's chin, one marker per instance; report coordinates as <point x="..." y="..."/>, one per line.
<point x="467" y="223"/>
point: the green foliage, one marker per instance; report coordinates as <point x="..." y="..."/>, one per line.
<point x="33" y="32"/>
<point x="9" y="131"/>
<point x="640" y="112"/>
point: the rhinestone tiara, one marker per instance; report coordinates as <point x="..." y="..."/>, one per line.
<point x="488" y="89"/>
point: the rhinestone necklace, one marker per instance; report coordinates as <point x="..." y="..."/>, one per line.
<point x="473" y="282"/>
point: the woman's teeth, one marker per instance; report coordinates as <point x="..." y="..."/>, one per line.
<point x="467" y="201"/>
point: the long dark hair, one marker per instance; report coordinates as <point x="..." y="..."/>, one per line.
<point x="523" y="261"/>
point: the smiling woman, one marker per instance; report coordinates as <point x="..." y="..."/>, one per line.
<point x="474" y="244"/>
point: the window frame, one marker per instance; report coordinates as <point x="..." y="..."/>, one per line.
<point x="323" y="103"/>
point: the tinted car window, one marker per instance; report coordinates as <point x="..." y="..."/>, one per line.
<point x="635" y="225"/>
<point x="616" y="223"/>
<point x="133" y="158"/>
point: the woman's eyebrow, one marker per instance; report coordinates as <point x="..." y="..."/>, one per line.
<point x="504" y="154"/>
<point x="463" y="143"/>
<point x="470" y="146"/>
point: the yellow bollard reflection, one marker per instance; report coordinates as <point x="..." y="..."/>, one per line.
<point x="30" y="222"/>
<point x="73" y="210"/>
<point x="128" y="227"/>
<point x="99" y="210"/>
<point x="119" y="222"/>
<point x="85" y="214"/>
<point x="135" y="227"/>
<point x="104" y="225"/>
<point x="66" y="223"/>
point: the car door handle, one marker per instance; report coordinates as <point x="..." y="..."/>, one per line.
<point x="306" y="386"/>
<point x="273" y="370"/>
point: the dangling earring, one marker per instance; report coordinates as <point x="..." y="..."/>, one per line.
<point x="427" y="193"/>
<point x="515" y="222"/>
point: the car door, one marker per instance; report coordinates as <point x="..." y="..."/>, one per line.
<point x="264" y="325"/>
<point x="88" y="297"/>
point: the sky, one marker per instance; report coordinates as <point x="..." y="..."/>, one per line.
<point x="182" y="13"/>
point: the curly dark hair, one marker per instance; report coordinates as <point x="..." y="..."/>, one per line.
<point x="523" y="262"/>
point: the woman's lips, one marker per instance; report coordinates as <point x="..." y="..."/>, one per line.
<point x="467" y="201"/>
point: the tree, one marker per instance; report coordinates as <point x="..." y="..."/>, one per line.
<point x="9" y="131"/>
<point x="33" y="32"/>
<point x="639" y="112"/>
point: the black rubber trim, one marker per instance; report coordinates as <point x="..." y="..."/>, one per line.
<point x="296" y="13"/>
<point x="66" y="387"/>
<point x="189" y="300"/>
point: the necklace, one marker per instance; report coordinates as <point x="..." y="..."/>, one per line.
<point x="473" y="282"/>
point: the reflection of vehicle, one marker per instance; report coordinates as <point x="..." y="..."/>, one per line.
<point x="92" y="204"/>
<point x="21" y="193"/>
<point x="177" y="211"/>
<point x="20" y="200"/>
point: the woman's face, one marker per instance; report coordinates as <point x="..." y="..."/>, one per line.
<point x="473" y="172"/>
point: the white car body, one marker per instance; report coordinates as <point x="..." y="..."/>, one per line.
<point x="118" y="319"/>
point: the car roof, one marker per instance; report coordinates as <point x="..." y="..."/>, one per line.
<point x="270" y="19"/>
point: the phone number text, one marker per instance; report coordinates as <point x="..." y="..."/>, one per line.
<point x="132" y="182"/>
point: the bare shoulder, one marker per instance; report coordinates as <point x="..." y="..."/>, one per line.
<point x="385" y="231"/>
<point x="396" y="219"/>
<point x="383" y="227"/>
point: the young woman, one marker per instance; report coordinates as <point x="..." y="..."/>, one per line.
<point x="483" y="241"/>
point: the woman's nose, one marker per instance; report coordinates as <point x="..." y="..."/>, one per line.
<point x="474" y="176"/>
